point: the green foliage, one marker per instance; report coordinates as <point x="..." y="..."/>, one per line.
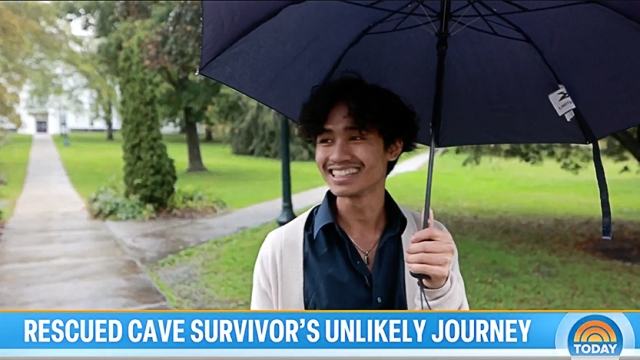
<point x="111" y="203"/>
<point x="172" y="50"/>
<point x="149" y="173"/>
<point x="32" y="45"/>
<point x="193" y="199"/>
<point x="620" y="147"/>
<point x="254" y="129"/>
<point x="258" y="134"/>
<point x="570" y="157"/>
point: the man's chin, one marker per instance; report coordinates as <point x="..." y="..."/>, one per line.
<point x="345" y="191"/>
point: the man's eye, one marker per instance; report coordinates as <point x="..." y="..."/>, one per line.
<point x="357" y="137"/>
<point x="324" y="141"/>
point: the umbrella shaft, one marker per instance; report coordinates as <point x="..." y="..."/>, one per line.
<point x="436" y="116"/>
<point x="427" y="200"/>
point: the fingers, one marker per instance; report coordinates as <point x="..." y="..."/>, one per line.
<point x="434" y="259"/>
<point x="431" y="247"/>
<point x="430" y="233"/>
<point x="430" y="219"/>
<point x="435" y="271"/>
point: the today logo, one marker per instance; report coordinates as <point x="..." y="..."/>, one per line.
<point x="595" y="335"/>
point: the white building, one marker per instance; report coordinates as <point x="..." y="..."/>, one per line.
<point x="51" y="118"/>
<point x="77" y="113"/>
<point x="78" y="117"/>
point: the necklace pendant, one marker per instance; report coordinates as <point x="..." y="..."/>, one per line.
<point x="366" y="259"/>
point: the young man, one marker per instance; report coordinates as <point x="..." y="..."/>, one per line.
<point x="355" y="250"/>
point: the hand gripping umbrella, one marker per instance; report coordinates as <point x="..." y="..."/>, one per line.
<point x="477" y="72"/>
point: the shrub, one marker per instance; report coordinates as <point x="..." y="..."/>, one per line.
<point x="193" y="201"/>
<point x="149" y="173"/>
<point x="111" y="203"/>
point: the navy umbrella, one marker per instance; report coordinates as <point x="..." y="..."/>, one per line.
<point x="476" y="72"/>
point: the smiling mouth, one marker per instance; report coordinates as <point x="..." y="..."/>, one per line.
<point x="344" y="172"/>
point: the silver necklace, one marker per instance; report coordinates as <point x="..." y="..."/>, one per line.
<point x="366" y="253"/>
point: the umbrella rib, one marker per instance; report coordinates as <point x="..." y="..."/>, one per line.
<point x="503" y="25"/>
<point x="616" y="12"/>
<point x="420" y="3"/>
<point x="468" y="25"/>
<point x="527" y="39"/>
<point x="510" y="2"/>
<point x="462" y="23"/>
<point x="483" y="19"/>
<point x="492" y="15"/>
<point x="249" y="31"/>
<point x="460" y="18"/>
<point x="404" y="19"/>
<point x="497" y="14"/>
<point x="355" y="42"/>
<point x="370" y="6"/>
<point x="469" y="3"/>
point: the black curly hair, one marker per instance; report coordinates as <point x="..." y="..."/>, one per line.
<point x="372" y="108"/>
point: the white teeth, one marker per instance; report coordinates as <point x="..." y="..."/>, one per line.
<point x="344" y="172"/>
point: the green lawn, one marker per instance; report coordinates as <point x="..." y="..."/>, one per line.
<point x="517" y="228"/>
<point x="501" y="187"/>
<point x="240" y="181"/>
<point x="14" y="158"/>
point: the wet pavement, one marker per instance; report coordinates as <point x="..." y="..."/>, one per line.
<point x="54" y="256"/>
<point x="150" y="241"/>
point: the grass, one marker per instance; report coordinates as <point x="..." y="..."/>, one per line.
<point x="14" y="158"/>
<point x="510" y="187"/>
<point x="517" y="228"/>
<point x="240" y="181"/>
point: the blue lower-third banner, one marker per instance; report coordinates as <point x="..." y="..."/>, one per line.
<point x="610" y="334"/>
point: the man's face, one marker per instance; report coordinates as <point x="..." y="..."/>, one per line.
<point x="351" y="161"/>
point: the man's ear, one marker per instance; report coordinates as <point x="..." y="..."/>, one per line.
<point x="394" y="150"/>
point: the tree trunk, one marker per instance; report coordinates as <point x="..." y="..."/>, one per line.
<point x="109" y="121"/>
<point x="208" y="135"/>
<point x="628" y="142"/>
<point x="193" y="143"/>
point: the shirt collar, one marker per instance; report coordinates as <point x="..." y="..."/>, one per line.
<point x="324" y="215"/>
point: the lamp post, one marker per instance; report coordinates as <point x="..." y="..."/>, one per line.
<point x="287" y="208"/>
<point x="63" y="127"/>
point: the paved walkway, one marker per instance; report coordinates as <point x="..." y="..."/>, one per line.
<point x="153" y="240"/>
<point x="53" y="256"/>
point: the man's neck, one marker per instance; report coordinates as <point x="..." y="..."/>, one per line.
<point x="363" y="217"/>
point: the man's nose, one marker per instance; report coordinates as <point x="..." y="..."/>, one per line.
<point x="340" y="151"/>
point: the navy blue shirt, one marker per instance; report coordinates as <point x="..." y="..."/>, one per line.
<point x="336" y="277"/>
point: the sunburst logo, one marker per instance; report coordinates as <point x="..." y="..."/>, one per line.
<point x="595" y="335"/>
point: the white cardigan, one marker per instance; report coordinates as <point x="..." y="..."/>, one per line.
<point x="278" y="273"/>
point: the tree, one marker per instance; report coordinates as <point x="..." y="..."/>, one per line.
<point x="626" y="143"/>
<point x="173" y="49"/>
<point x="621" y="146"/>
<point x="149" y="173"/>
<point x="255" y="128"/>
<point x="109" y="23"/>
<point x="31" y="46"/>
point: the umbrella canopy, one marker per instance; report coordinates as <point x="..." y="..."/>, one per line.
<point x="476" y="72"/>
